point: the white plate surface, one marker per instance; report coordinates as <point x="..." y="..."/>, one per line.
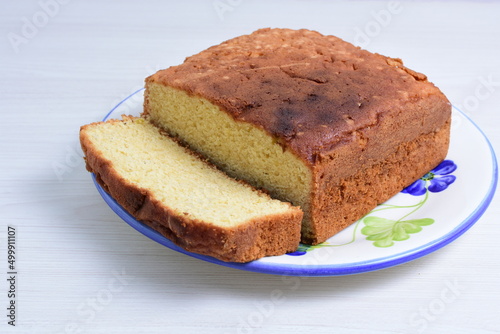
<point x="408" y="226"/>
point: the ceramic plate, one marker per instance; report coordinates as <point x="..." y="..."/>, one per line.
<point x="426" y="216"/>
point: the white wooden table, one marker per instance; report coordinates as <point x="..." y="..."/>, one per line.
<point x="80" y="269"/>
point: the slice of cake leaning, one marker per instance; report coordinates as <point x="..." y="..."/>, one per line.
<point x="185" y="198"/>
<point x="310" y="118"/>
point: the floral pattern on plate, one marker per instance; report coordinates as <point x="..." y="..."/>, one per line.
<point x="384" y="231"/>
<point x="350" y="252"/>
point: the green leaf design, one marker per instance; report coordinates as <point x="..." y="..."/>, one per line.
<point x="304" y="248"/>
<point x="421" y="221"/>
<point x="385" y="231"/>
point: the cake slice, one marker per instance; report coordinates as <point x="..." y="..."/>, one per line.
<point x="185" y="198"/>
<point x="312" y="119"/>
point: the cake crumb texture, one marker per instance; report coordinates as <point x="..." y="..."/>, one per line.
<point x="184" y="197"/>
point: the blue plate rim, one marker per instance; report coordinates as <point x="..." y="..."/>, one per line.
<point x="320" y="270"/>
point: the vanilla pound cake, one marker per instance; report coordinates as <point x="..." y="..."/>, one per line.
<point x="185" y="198"/>
<point x="310" y="118"/>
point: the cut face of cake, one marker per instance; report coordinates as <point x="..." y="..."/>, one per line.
<point x="310" y="118"/>
<point x="184" y="197"/>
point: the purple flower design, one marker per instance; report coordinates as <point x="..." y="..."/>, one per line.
<point x="302" y="250"/>
<point x="297" y="253"/>
<point x="439" y="179"/>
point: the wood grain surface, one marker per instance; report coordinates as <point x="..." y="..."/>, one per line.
<point x="81" y="269"/>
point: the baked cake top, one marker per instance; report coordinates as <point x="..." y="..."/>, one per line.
<point x="308" y="90"/>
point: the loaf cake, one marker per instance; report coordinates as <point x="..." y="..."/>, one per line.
<point x="312" y="119"/>
<point x="184" y="197"/>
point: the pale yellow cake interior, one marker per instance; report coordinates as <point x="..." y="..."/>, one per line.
<point x="240" y="149"/>
<point x="189" y="186"/>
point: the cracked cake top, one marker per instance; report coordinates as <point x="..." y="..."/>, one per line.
<point x="309" y="91"/>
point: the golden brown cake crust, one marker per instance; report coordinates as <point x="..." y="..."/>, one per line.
<point x="340" y="200"/>
<point x="271" y="235"/>
<point x="309" y="91"/>
<point x="364" y="124"/>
